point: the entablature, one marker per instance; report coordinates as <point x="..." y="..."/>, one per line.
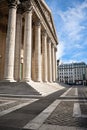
<point x="44" y="20"/>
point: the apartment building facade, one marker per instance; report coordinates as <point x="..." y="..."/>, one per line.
<point x="73" y="73"/>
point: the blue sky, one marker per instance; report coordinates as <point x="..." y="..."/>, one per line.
<point x="70" y="19"/>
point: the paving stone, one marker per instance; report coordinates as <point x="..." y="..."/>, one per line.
<point x="48" y="127"/>
<point x="83" y="108"/>
<point x="60" y="119"/>
<point x="62" y="116"/>
<point x="29" y="111"/>
<point x="7" y="106"/>
<point x="71" y="92"/>
<point x="82" y="91"/>
<point x="81" y="128"/>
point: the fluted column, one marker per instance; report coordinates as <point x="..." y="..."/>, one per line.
<point x="44" y="56"/>
<point x="38" y="51"/>
<point x="10" y="42"/>
<point x="27" y="43"/>
<point x="53" y="63"/>
<point x="49" y="62"/>
<point x="18" y="45"/>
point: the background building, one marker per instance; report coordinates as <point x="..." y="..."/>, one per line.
<point x="73" y="73"/>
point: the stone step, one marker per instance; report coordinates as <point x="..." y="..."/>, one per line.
<point x="45" y="88"/>
<point x="29" y="88"/>
<point x="17" y="88"/>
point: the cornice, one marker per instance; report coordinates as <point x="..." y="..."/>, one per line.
<point x="44" y="33"/>
<point x="46" y="5"/>
<point x="26" y="4"/>
<point x="12" y="3"/>
<point x="38" y="4"/>
<point x="20" y="9"/>
<point x="48" y="9"/>
<point x="51" y="23"/>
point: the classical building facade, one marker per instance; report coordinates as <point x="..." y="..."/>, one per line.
<point x="28" y="41"/>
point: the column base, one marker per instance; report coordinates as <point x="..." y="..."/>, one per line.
<point x="45" y="81"/>
<point x="8" y="80"/>
<point x="39" y="81"/>
<point x="26" y="80"/>
<point x="50" y="81"/>
<point x="53" y="81"/>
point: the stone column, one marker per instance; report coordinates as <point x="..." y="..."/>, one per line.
<point x="56" y="64"/>
<point x="33" y="53"/>
<point x="38" y="51"/>
<point x="53" y="63"/>
<point x="18" y="45"/>
<point x="10" y="42"/>
<point x="44" y="56"/>
<point x="27" y="43"/>
<point x="49" y="61"/>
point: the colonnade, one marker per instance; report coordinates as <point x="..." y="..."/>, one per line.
<point x="39" y="62"/>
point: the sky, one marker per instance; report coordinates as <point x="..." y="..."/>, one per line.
<point x="70" y="20"/>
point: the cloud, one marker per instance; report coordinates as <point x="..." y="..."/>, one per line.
<point x="76" y="55"/>
<point x="71" y="25"/>
<point x="73" y="20"/>
<point x="68" y="61"/>
<point x="78" y="46"/>
<point x="60" y="50"/>
<point x="73" y="32"/>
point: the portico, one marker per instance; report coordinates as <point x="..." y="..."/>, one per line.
<point x="28" y="41"/>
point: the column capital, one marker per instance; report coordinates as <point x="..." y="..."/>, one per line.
<point x="49" y="40"/>
<point x="27" y="5"/>
<point x="37" y="23"/>
<point x="56" y="49"/>
<point x="12" y="3"/>
<point x="53" y="46"/>
<point x="44" y="33"/>
<point x="20" y="9"/>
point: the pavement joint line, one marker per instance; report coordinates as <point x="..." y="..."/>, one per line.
<point x="76" y="110"/>
<point x="57" y="127"/>
<point x="4" y="112"/>
<point x="3" y="100"/>
<point x="72" y="97"/>
<point x="6" y="103"/>
<point x="64" y="94"/>
<point x="12" y="95"/>
<point x="80" y="100"/>
<point x="12" y="98"/>
<point x="38" y="120"/>
<point x="76" y="91"/>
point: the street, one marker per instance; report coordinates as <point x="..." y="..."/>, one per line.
<point x="65" y="109"/>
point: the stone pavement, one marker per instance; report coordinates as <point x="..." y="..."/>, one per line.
<point x="65" y="109"/>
